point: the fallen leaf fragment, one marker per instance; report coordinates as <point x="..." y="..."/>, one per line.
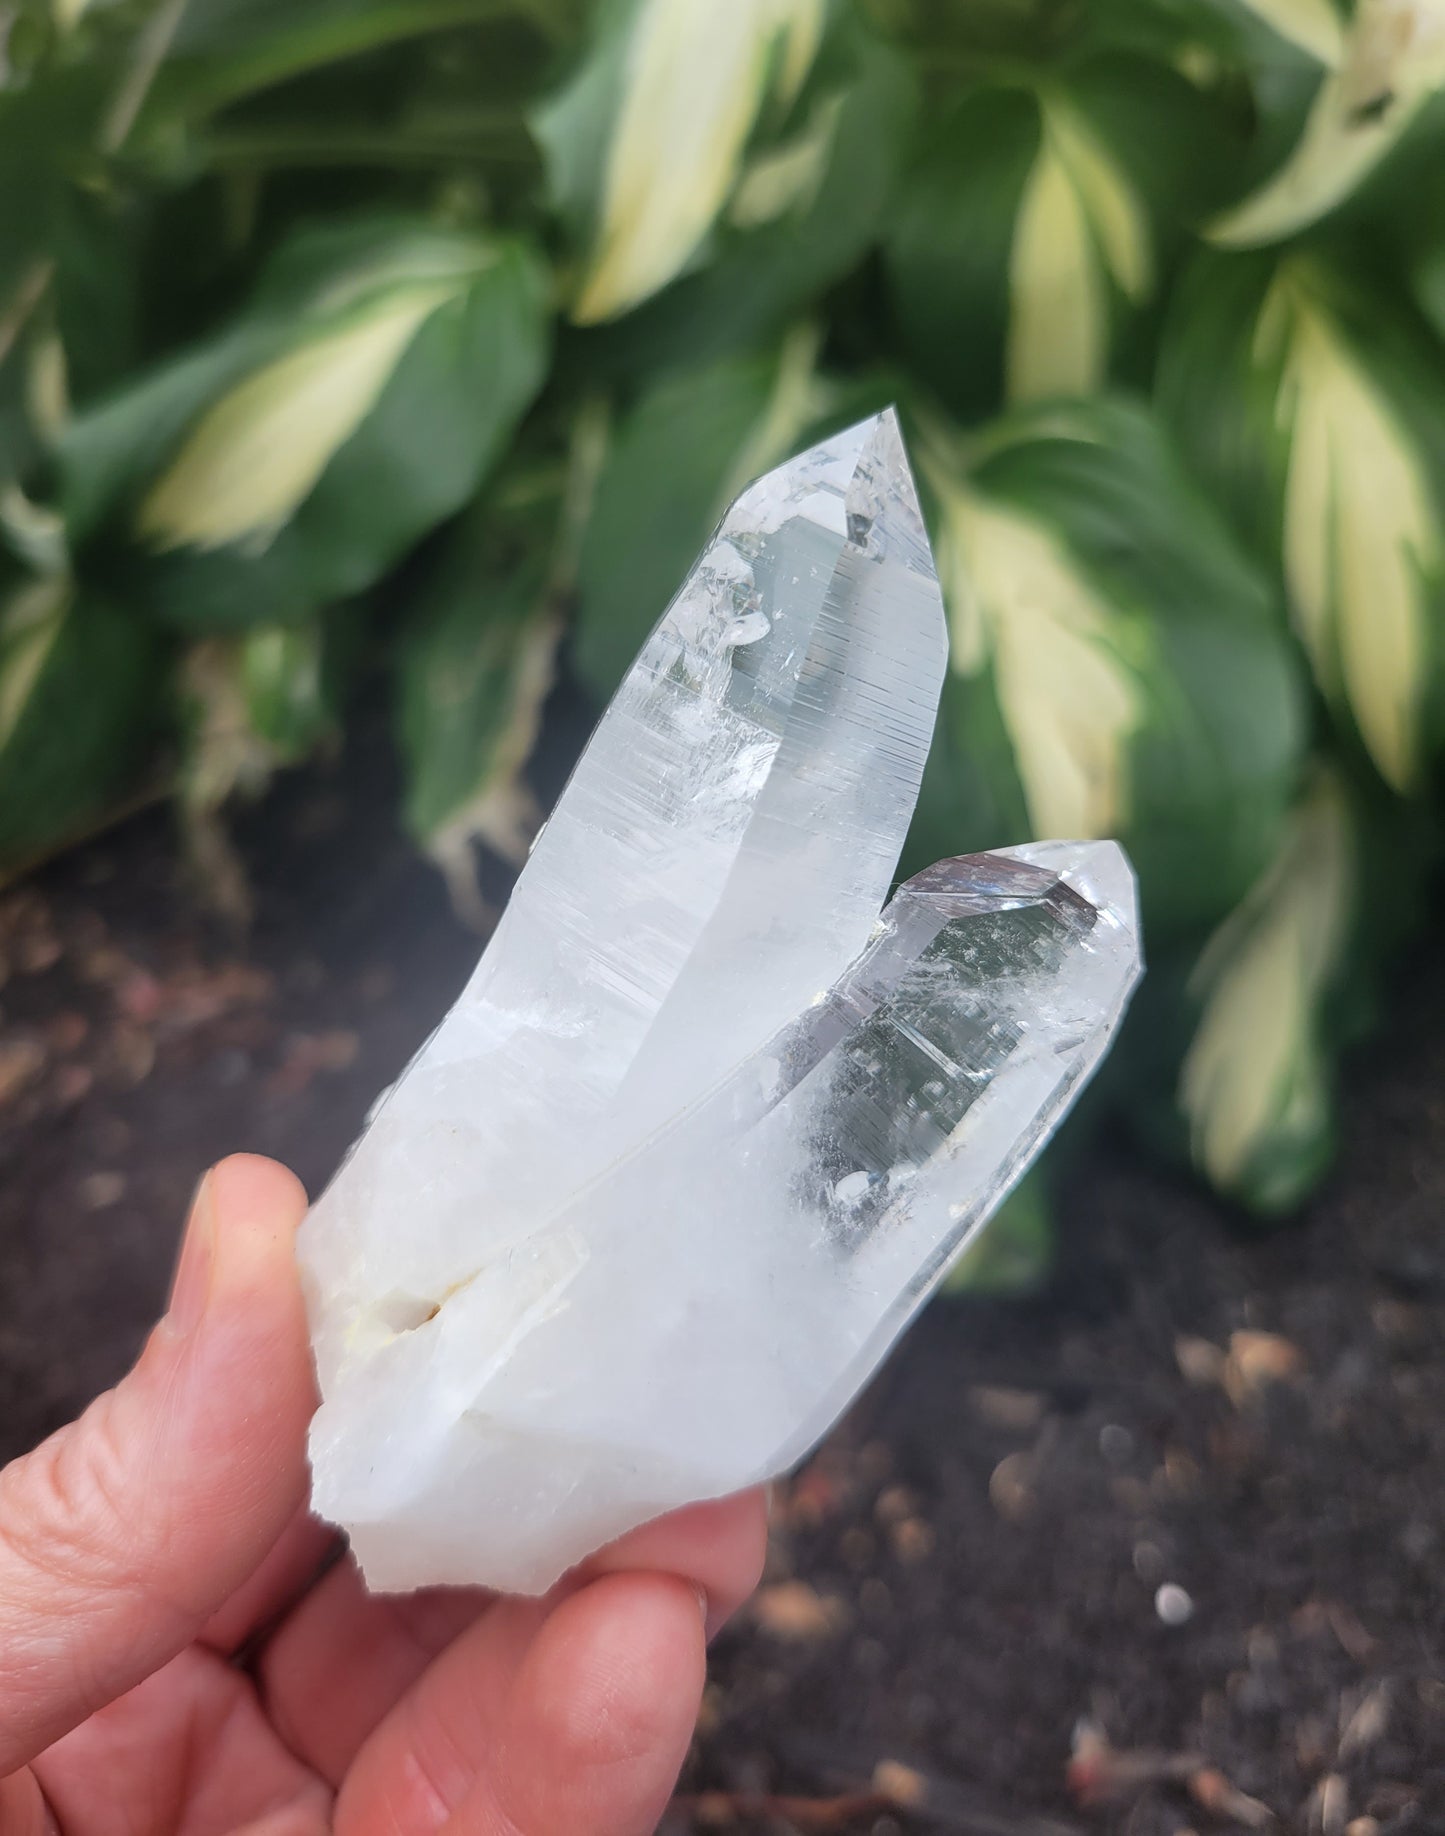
<point x="1100" y="1773"/>
<point x="1212" y="1792"/>
<point x="21" y="1061"/>
<point x="1256" y="1360"/>
<point x="1367" y="1722"/>
<point x="1010" y="1487"/>
<point x="1201" y="1362"/>
<point x="900" y="1784"/>
<point x="1014" y="1411"/>
<point x="793" y="1610"/>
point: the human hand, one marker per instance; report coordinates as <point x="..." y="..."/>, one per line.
<point x="170" y="1660"/>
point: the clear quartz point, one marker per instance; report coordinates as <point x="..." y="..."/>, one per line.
<point x="703" y="1129"/>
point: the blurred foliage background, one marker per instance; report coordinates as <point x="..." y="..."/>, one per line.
<point x="426" y="339"/>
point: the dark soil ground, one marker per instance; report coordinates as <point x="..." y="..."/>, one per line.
<point x="1159" y="1550"/>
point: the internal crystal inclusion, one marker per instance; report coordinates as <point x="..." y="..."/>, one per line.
<point x="917" y="1027"/>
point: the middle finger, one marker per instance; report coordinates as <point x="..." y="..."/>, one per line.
<point x="344" y="1657"/>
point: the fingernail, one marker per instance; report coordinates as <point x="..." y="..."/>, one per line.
<point x="702" y="1605"/>
<point x="192" y="1285"/>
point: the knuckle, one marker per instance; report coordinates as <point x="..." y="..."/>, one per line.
<point x="61" y="1508"/>
<point x="78" y="1514"/>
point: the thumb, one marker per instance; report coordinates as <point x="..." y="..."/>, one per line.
<point x="122" y="1534"/>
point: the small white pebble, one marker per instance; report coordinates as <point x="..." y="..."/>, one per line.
<point x="1116" y="1444"/>
<point x="1173" y="1605"/>
<point x="99" y="1191"/>
<point x="851" y="1188"/>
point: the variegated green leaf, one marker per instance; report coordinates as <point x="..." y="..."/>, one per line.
<point x="1392" y="60"/>
<point x="1364" y="533"/>
<point x="476" y="665"/>
<point x="1117" y="665"/>
<point x="1080" y="225"/>
<point x="806" y="210"/>
<point x="785" y="180"/>
<point x="1027" y="239"/>
<point x="301" y="452"/>
<point x="1255" y="1083"/>
<point x="1067" y="663"/>
<point x="1317" y="415"/>
<point x="672" y="465"/>
<point x="79" y="704"/>
<point x="665" y="109"/>
<point x="255" y="457"/>
<point x="1312" y="25"/>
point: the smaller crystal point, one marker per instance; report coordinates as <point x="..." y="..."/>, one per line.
<point x="696" y="1317"/>
<point x="704" y="1128"/>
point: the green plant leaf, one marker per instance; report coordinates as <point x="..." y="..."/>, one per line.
<point x="672" y="466"/>
<point x="647" y="143"/>
<point x="225" y="49"/>
<point x="1028" y="238"/>
<point x="475" y="665"/>
<point x="79" y="706"/>
<point x="1120" y="661"/>
<point x="1315" y="410"/>
<point x="300" y="454"/>
<point x="1429" y="281"/>
<point x="1314" y="25"/>
<point x="1255" y="1083"/>
<point x="252" y="703"/>
<point x="805" y="213"/>
<point x="1016" y="1250"/>
<point x="1387" y="65"/>
<point x="1235" y="1040"/>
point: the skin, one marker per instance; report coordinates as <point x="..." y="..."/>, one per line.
<point x="185" y="1649"/>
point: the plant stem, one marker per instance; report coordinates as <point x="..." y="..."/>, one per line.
<point x="248" y="68"/>
<point x="587" y="450"/>
<point x="240" y="148"/>
<point x="29" y="292"/>
<point x="151" y="45"/>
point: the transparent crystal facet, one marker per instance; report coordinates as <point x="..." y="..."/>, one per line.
<point x="703" y="1129"/>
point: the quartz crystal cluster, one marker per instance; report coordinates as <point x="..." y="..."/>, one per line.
<point x="704" y="1128"/>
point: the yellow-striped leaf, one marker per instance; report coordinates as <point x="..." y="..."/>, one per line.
<point x="785" y="180"/>
<point x="289" y="459"/>
<point x="1080" y="223"/>
<point x="1363" y="532"/>
<point x="1254" y="1084"/>
<point x="256" y="455"/>
<point x="1069" y="694"/>
<point x="1120" y="668"/>
<point x="695" y="78"/>
<point x="1392" y="60"/>
<point x="1313" y="25"/>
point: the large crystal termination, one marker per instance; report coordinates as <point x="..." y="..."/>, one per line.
<point x="704" y="1128"/>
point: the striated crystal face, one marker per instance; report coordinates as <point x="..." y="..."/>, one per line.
<point x="703" y="1129"/>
